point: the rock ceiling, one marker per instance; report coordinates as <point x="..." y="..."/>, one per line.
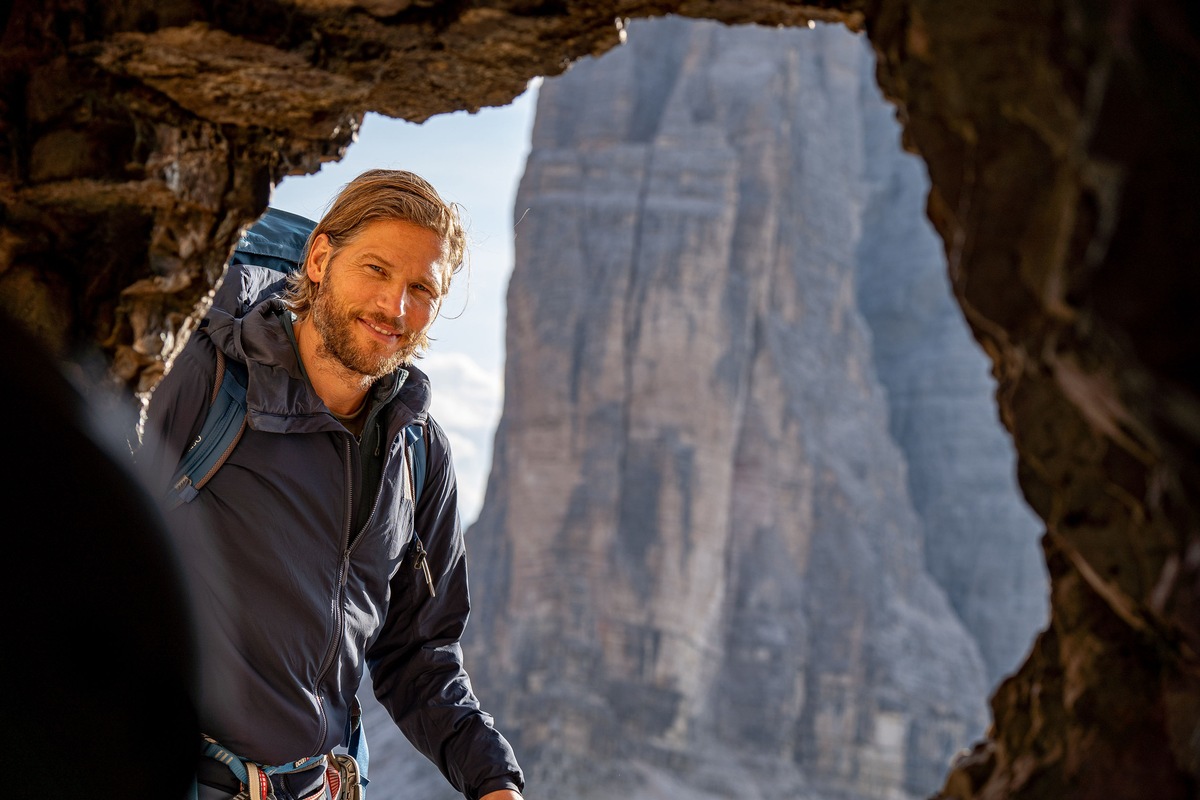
<point x="1063" y="145"/>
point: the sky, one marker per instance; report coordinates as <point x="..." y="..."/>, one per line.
<point x="475" y="160"/>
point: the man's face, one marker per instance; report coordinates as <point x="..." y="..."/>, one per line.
<point x="377" y="296"/>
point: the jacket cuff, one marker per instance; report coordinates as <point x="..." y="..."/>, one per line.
<point x="496" y="784"/>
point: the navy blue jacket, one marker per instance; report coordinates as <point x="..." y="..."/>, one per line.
<point x="289" y="601"/>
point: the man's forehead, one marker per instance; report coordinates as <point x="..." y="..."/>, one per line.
<point x="382" y="234"/>
<point x="391" y="259"/>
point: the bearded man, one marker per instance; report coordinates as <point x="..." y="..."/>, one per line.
<point x="305" y="556"/>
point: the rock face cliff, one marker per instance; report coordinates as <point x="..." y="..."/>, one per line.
<point x="699" y="569"/>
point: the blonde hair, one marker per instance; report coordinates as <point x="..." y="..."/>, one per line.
<point x="381" y="194"/>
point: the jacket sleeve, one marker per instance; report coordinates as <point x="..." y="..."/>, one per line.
<point x="175" y="413"/>
<point x="416" y="662"/>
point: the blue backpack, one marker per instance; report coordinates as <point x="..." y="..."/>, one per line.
<point x="258" y="268"/>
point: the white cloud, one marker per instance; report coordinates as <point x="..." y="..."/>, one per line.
<point x="467" y="400"/>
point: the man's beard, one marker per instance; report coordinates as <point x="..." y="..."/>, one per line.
<point x="336" y="323"/>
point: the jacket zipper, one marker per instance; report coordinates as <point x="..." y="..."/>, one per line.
<point x="344" y="569"/>
<point x="422" y="563"/>
<point x="339" y="605"/>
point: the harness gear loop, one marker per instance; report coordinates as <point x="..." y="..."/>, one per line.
<point x="258" y="785"/>
<point x="348" y="771"/>
<point x="255" y="777"/>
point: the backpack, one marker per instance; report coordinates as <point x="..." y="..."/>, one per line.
<point x="258" y="268"/>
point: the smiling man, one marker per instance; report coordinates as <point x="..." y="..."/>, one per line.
<point x="305" y="555"/>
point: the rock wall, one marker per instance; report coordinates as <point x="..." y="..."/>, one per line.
<point x="1060" y="219"/>
<point x="698" y="564"/>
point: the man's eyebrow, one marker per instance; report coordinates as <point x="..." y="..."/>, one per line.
<point x="371" y="255"/>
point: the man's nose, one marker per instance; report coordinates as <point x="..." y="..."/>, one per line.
<point x="395" y="301"/>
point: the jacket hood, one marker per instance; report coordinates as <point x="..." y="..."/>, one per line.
<point x="278" y="395"/>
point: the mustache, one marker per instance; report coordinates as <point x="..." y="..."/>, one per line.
<point x="396" y="324"/>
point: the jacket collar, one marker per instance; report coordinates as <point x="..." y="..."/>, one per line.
<point x="279" y="397"/>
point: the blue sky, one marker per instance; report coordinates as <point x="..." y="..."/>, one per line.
<point x="475" y="160"/>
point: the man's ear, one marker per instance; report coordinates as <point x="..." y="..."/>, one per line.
<point x="317" y="260"/>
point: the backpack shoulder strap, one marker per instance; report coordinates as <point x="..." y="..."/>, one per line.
<point x="356" y="746"/>
<point x="267" y="251"/>
<point x="223" y="427"/>
<point x="416" y="460"/>
<point x="414" y="437"/>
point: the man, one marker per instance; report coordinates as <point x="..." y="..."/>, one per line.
<point x="304" y="555"/>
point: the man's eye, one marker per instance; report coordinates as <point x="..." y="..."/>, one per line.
<point x="375" y="268"/>
<point x="420" y="287"/>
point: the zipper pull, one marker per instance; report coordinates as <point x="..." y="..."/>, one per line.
<point x="422" y="563"/>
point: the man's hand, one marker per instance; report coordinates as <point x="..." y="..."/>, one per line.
<point x="503" y="794"/>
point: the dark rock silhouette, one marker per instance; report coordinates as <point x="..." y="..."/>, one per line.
<point x="98" y="655"/>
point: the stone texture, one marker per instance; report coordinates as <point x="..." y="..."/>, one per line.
<point x="1062" y="156"/>
<point x="1042" y="192"/>
<point x="698" y="564"/>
